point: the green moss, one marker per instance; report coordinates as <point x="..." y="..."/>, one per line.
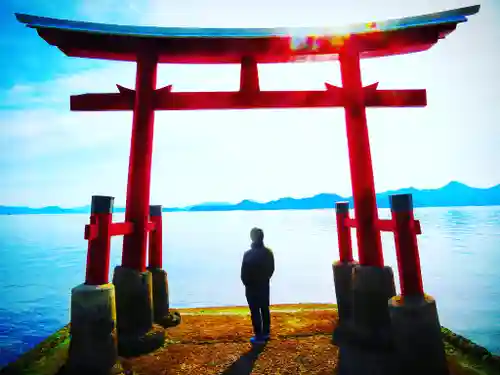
<point x="471" y="358"/>
<point x="44" y="359"/>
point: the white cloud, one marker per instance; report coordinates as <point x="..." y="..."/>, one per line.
<point x="56" y="92"/>
<point x="45" y="132"/>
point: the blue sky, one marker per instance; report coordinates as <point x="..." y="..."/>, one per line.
<point x="51" y="156"/>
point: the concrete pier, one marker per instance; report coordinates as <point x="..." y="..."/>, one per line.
<point x="134" y="307"/>
<point x="417" y="334"/>
<point x="93" y="345"/>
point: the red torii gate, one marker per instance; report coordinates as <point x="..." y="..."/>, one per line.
<point x="247" y="47"/>
<point x="149" y="46"/>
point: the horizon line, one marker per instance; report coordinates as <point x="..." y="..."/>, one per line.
<point x="261" y="202"/>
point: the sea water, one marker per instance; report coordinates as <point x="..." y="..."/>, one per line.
<point x="43" y="256"/>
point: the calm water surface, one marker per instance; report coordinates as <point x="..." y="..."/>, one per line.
<point x="43" y="256"/>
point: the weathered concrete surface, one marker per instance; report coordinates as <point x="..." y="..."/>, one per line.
<point x="342" y="277"/>
<point x="372" y="287"/>
<point x="355" y="359"/>
<point x="93" y="346"/>
<point x="417" y="334"/>
<point x="134" y="308"/>
<point x="365" y="341"/>
<point x="160" y="295"/>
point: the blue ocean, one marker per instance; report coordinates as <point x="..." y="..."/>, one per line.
<point x="43" y="256"/>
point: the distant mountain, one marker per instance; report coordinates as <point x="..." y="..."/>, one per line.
<point x="207" y="206"/>
<point x="454" y="194"/>
<point x="19" y="210"/>
<point x="450" y="195"/>
<point x="318" y="201"/>
<point x="52" y="210"/>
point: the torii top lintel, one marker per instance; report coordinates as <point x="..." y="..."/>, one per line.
<point x="229" y="45"/>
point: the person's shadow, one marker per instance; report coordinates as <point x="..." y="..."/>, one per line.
<point x="244" y="364"/>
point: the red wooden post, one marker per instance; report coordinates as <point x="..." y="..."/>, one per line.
<point x="363" y="187"/>
<point x="405" y="237"/>
<point x="99" y="247"/>
<point x="343" y="232"/>
<point x="249" y="76"/>
<point x="139" y="175"/>
<point x="156" y="238"/>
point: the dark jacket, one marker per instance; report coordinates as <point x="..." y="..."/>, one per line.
<point x="257" y="266"/>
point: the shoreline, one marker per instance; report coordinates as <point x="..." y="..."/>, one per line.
<point x="121" y="210"/>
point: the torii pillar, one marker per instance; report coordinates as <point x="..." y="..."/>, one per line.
<point x="371" y="284"/>
<point x="133" y="282"/>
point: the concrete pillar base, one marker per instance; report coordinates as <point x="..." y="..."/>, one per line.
<point x="160" y="295"/>
<point x="147" y="342"/>
<point x="372" y="287"/>
<point x="93" y="345"/>
<point x="356" y="360"/>
<point x="173" y="319"/>
<point x="134" y="308"/>
<point x="417" y="336"/>
<point x="369" y="327"/>
<point x="342" y="277"/>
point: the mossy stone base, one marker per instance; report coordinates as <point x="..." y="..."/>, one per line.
<point x="342" y="277"/>
<point x="134" y="301"/>
<point x="171" y="320"/>
<point x="93" y="344"/>
<point x="356" y="360"/>
<point x="369" y="327"/>
<point x="417" y="335"/>
<point x="350" y="334"/>
<point x="372" y="287"/>
<point x="134" y="307"/>
<point x="134" y="345"/>
<point x="160" y="295"/>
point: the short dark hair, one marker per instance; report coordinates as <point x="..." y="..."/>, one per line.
<point x="257" y="235"/>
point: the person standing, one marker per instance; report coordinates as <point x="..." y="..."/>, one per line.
<point x="257" y="268"/>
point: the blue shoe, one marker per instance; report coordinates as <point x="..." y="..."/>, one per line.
<point x="257" y="340"/>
